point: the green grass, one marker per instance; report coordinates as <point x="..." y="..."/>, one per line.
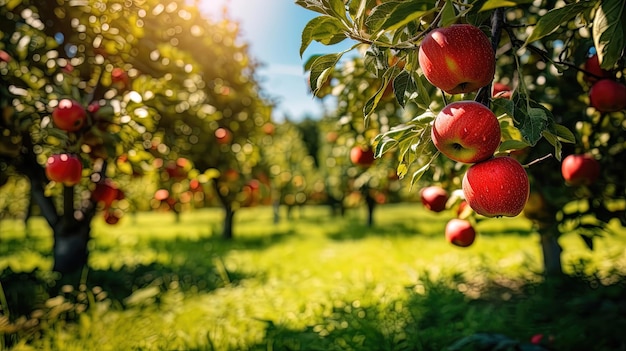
<point x="313" y="283"/>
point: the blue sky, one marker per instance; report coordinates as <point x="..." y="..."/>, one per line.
<point x="273" y="29"/>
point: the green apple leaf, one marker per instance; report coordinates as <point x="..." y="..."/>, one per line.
<point x="337" y="8"/>
<point x="511" y="145"/>
<point x="448" y="15"/>
<point x="494" y="4"/>
<point x="554" y="141"/>
<point x="321" y="68"/>
<point x="417" y="175"/>
<point x="313" y="5"/>
<point x="402" y="85"/>
<point x="609" y="31"/>
<point x="323" y="29"/>
<point x="553" y="19"/>
<point x="392" y="15"/>
<point x="565" y="135"/>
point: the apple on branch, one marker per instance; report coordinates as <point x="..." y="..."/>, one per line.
<point x="64" y="168"/>
<point x="496" y="187"/>
<point x="362" y="156"/>
<point x="607" y="95"/>
<point x="69" y="115"/>
<point x="592" y="66"/>
<point x="580" y="169"/>
<point x="434" y="198"/>
<point x="457" y="59"/>
<point x="223" y="135"/>
<point x="466" y="131"/>
<point x="460" y="232"/>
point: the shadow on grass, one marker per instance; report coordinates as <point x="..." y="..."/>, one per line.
<point x="574" y="314"/>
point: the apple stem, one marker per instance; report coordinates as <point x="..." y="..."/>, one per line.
<point x="537" y="160"/>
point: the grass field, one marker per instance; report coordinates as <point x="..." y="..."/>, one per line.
<point x="315" y="282"/>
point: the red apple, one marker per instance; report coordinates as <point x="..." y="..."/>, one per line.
<point x="496" y="187"/>
<point x="501" y="90"/>
<point x="466" y="131"/>
<point x="5" y="57"/>
<point x="69" y="115"/>
<point x="581" y="169"/>
<point x="161" y="194"/>
<point x="362" y="156"/>
<point x="457" y="59"/>
<point x="119" y="78"/>
<point x="607" y="95"/>
<point x="434" y="198"/>
<point x="64" y="168"/>
<point x="460" y="232"/>
<point x="106" y="192"/>
<point x="592" y="66"/>
<point x="112" y="217"/>
<point x="223" y="135"/>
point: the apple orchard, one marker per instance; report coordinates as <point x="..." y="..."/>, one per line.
<point x="504" y="107"/>
<point x="481" y="109"/>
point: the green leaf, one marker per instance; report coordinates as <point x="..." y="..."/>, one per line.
<point x="337" y="8"/>
<point x="494" y="4"/>
<point x="417" y="175"/>
<point x="554" y="141"/>
<point x="394" y="14"/>
<point x="323" y="29"/>
<point x="313" y="5"/>
<point x="609" y="30"/>
<point x="565" y="135"/>
<point x="552" y="20"/>
<point x="321" y="69"/>
<point x="510" y="145"/>
<point x="448" y="15"/>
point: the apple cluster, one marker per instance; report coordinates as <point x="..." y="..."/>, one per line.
<point x="606" y="94"/>
<point x="460" y="59"/>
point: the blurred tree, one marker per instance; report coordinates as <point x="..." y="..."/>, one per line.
<point x="141" y="91"/>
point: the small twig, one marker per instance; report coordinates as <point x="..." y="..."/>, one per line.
<point x="537" y="160"/>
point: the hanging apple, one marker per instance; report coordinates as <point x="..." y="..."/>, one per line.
<point x="457" y="59"/>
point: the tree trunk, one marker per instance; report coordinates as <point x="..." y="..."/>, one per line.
<point x="551" y="251"/>
<point x="71" y="235"/>
<point x="70" y="248"/>
<point x="229" y="215"/>
<point x="276" y="210"/>
<point x="371" y="204"/>
<point x="70" y="238"/>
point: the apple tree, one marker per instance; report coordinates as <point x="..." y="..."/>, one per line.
<point x="91" y="93"/>
<point x="465" y="52"/>
<point x="346" y="159"/>
<point x="292" y="171"/>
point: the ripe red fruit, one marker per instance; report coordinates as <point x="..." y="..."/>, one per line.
<point x="607" y="95"/>
<point x="112" y="217"/>
<point x="106" y="192"/>
<point x="434" y="198"/>
<point x="69" y="115"/>
<point x="466" y="131"/>
<point x="362" y="156"/>
<point x="502" y="91"/>
<point x="64" y="168"/>
<point x="457" y="59"/>
<point x="223" y="135"/>
<point x="460" y="232"/>
<point x="119" y="78"/>
<point x="580" y="169"/>
<point x="496" y="187"/>
<point x="592" y="65"/>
